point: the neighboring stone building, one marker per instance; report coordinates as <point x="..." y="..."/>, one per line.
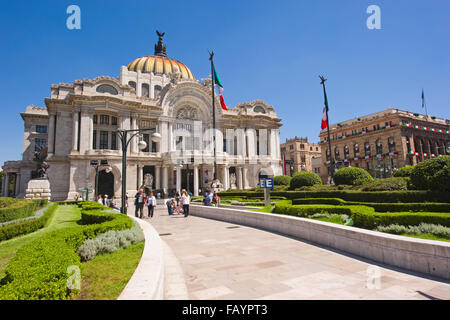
<point x="300" y="155"/>
<point x="81" y="119"/>
<point x="386" y="140"/>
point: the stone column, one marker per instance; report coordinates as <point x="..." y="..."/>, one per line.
<point x="139" y="176"/>
<point x="170" y="138"/>
<point x="17" y="184"/>
<point x="178" y="185"/>
<point x="51" y="134"/>
<point x="196" y="186"/>
<point x="245" y="177"/>
<point x="225" y="177"/>
<point x="134" y="140"/>
<point x="5" y="183"/>
<point x="75" y="131"/>
<point x="91" y="131"/>
<point x="165" y="179"/>
<point x="239" y="178"/>
<point x="164" y="145"/>
<point x="157" y="177"/>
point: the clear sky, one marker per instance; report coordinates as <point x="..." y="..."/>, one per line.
<point x="270" y="50"/>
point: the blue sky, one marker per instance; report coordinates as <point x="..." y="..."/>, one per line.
<point x="270" y="50"/>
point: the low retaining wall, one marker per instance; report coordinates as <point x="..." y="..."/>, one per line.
<point x="147" y="282"/>
<point x="424" y="256"/>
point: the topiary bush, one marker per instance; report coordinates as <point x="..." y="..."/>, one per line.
<point x="387" y="184"/>
<point x="282" y="180"/>
<point x="304" y="179"/>
<point x="349" y="176"/>
<point x="432" y="174"/>
<point x="404" y="171"/>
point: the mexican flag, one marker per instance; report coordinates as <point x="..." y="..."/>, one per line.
<point x="324" y="115"/>
<point x="219" y="87"/>
<point x="423" y="99"/>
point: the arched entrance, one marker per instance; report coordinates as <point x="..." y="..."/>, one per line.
<point x="106" y="183"/>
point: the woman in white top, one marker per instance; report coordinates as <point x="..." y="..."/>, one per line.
<point x="99" y="199"/>
<point x="186" y="201"/>
<point x="150" y="202"/>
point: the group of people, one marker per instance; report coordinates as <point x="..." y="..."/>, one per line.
<point x="144" y="200"/>
<point x="112" y="203"/>
<point x="211" y="199"/>
<point x="179" y="203"/>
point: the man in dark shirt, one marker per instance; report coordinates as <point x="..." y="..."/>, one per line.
<point x="139" y="203"/>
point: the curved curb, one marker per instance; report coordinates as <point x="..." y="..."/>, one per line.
<point x="147" y="282"/>
<point x="417" y="255"/>
<point x="174" y="281"/>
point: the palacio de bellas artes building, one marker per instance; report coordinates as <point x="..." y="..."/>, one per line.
<point x="80" y="122"/>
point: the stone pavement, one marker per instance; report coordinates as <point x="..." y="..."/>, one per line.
<point x="220" y="260"/>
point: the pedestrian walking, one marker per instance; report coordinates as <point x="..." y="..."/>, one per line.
<point x="139" y="202"/>
<point x="178" y="202"/>
<point x="151" y="204"/>
<point x="186" y="201"/>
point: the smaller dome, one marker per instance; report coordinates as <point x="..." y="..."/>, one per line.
<point x="160" y="65"/>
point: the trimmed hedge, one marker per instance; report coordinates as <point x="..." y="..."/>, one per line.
<point x="12" y="209"/>
<point x="366" y="217"/>
<point x="39" y="269"/>
<point x="380" y="207"/>
<point x="351" y="175"/>
<point x="351" y="195"/>
<point x="304" y="179"/>
<point x="16" y="229"/>
<point x="387" y="184"/>
<point x="282" y="180"/>
<point x="404" y="171"/>
<point x="432" y="174"/>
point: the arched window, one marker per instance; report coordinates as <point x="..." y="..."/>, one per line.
<point x="132" y="84"/>
<point x="367" y="149"/>
<point x="158" y="90"/>
<point x="356" y="150"/>
<point x="145" y="90"/>
<point x="105" y="88"/>
<point x="379" y="146"/>
<point x="336" y="153"/>
<point x="346" y="152"/>
<point x="259" y="109"/>
<point x="391" y="144"/>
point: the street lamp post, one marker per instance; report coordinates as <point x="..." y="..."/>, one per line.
<point x="125" y="141"/>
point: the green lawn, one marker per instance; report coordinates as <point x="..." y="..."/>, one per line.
<point x="104" y="277"/>
<point x="64" y="216"/>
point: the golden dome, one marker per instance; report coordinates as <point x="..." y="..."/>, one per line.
<point x="159" y="64"/>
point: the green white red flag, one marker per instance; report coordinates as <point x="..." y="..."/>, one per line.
<point x="219" y="88"/>
<point x="325" y="113"/>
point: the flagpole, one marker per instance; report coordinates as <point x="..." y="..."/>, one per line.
<point x="211" y="56"/>
<point x="424" y="103"/>
<point x="332" y="162"/>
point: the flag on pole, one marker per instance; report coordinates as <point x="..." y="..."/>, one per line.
<point x="423" y="99"/>
<point x="325" y="113"/>
<point x="219" y="90"/>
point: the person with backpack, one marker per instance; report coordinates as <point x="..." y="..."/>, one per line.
<point x="150" y="202"/>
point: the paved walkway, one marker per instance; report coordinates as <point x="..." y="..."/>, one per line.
<point x="225" y="261"/>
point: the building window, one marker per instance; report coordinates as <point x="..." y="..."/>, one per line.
<point x="327" y="153"/>
<point x="95" y="119"/>
<point x="179" y="142"/>
<point x="346" y="152"/>
<point x="103" y="140"/>
<point x="302" y="147"/>
<point x="145" y="90"/>
<point x="132" y="84"/>
<point x="379" y="146"/>
<point x="114" y="121"/>
<point x="356" y="150"/>
<point x="113" y="141"/>
<point x="367" y="149"/>
<point x="291" y="147"/>
<point x="336" y="153"/>
<point x="158" y="90"/>
<point x="39" y="144"/>
<point x="104" y="119"/>
<point x="391" y="144"/>
<point x="259" y="109"/>
<point x="408" y="144"/>
<point x="104" y="88"/>
<point x="41" y="129"/>
<point x="94" y="140"/>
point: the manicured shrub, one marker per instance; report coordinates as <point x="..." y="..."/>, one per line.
<point x="282" y="180"/>
<point x="332" y="201"/>
<point x="304" y="179"/>
<point x="404" y="171"/>
<point x="12" y="209"/>
<point x="39" y="270"/>
<point x="350" y="175"/>
<point x="422" y="228"/>
<point x="431" y="174"/>
<point x="387" y="184"/>
<point x="12" y="229"/>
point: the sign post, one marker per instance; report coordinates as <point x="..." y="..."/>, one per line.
<point x="266" y="184"/>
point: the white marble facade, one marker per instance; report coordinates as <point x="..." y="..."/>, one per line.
<point x="80" y="121"/>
